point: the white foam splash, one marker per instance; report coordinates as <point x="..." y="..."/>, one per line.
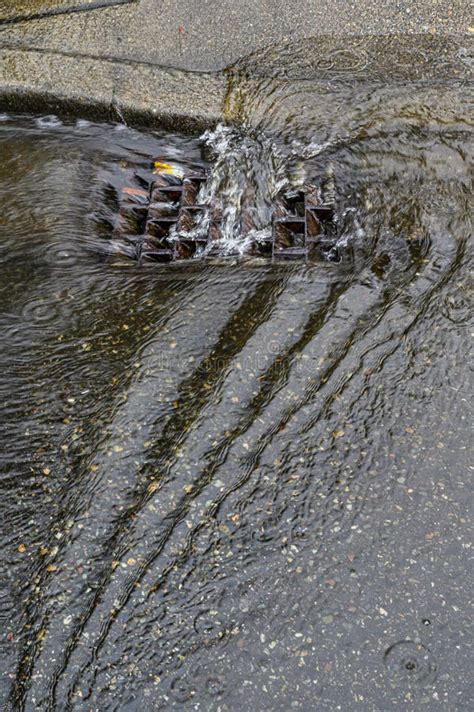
<point x="49" y="122"/>
<point x="247" y="174"/>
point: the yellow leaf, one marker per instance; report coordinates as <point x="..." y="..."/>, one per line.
<point x="168" y="169"/>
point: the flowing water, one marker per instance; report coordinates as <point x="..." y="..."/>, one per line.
<point x="230" y="484"/>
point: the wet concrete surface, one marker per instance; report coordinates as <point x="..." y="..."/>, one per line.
<point x="14" y="12"/>
<point x="114" y="90"/>
<point x="128" y="41"/>
<point x="209" y="35"/>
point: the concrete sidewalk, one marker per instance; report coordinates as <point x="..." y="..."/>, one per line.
<point x="162" y="60"/>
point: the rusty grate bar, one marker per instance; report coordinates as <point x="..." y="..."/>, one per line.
<point x="303" y="225"/>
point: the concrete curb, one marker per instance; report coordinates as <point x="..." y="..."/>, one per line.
<point x="38" y="80"/>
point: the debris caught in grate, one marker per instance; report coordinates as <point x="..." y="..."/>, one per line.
<point x="162" y="217"/>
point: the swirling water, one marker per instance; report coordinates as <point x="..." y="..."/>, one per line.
<point x="228" y="481"/>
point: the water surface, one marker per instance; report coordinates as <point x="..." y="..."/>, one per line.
<point x="229" y="483"/>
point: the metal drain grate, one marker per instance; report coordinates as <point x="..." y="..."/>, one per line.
<point x="303" y="225"/>
<point x="151" y="219"/>
<point x="160" y="219"/>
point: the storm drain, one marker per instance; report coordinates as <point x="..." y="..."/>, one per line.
<point x="162" y="217"/>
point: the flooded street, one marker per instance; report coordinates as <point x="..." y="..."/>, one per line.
<point x="228" y="483"/>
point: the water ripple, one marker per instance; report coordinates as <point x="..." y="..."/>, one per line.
<point x="204" y="468"/>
